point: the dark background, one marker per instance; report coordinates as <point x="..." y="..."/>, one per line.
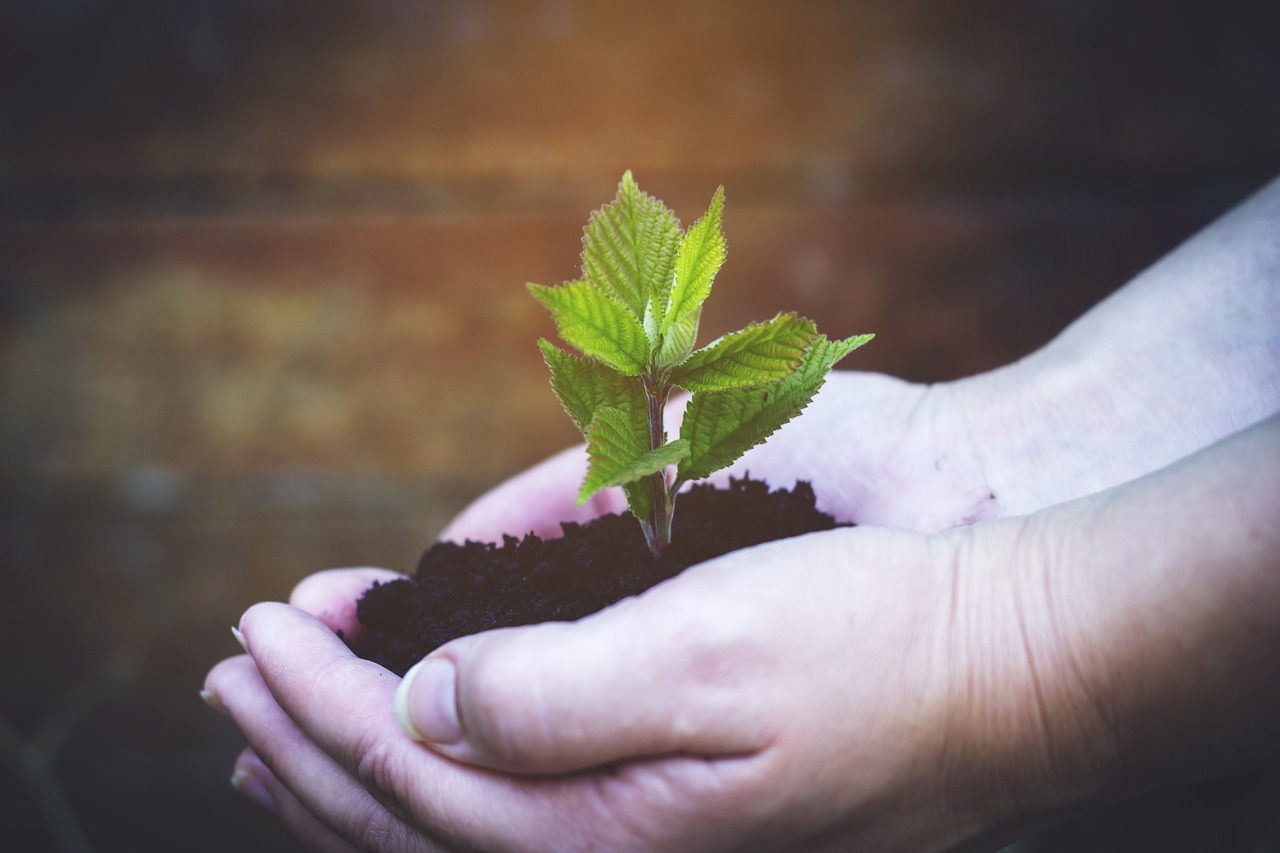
<point x="262" y="306"/>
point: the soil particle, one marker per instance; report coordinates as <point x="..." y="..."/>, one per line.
<point x="462" y="589"/>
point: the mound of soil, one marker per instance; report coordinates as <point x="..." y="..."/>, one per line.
<point x="472" y="587"/>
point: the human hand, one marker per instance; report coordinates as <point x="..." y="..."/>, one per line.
<point x="877" y="450"/>
<point x="846" y="688"/>
<point x="854" y="689"/>
<point x="1138" y="649"/>
<point x="1181" y="357"/>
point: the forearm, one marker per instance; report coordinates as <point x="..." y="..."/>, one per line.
<point x="1151" y="621"/>
<point x="1185" y="354"/>
<point x="1184" y="585"/>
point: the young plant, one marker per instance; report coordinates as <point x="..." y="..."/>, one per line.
<point x="633" y="316"/>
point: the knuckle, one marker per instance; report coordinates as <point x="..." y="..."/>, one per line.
<point x="379" y="827"/>
<point x="378" y="768"/>
<point x="378" y="831"/>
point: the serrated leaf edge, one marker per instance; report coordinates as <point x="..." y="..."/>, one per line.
<point x="743" y="350"/>
<point x="808" y="379"/>
<point x="616" y="337"/>
<point x="612" y="431"/>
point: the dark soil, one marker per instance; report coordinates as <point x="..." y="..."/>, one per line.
<point x="473" y="587"/>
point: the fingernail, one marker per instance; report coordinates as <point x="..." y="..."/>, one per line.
<point x="427" y="704"/>
<point x="213" y="701"/>
<point x="251" y="786"/>
<point x="235" y="632"/>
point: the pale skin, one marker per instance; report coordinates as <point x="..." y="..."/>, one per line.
<point x="1065" y="590"/>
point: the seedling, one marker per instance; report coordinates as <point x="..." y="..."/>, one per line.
<point x="634" y="316"/>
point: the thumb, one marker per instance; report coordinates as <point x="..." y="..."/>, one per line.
<point x="655" y="675"/>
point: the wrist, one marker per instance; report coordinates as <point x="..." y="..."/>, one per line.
<point x="1174" y="604"/>
<point x="1028" y="746"/>
<point x="1077" y="418"/>
<point x="1051" y="428"/>
<point x="1127" y="641"/>
<point x="1179" y="358"/>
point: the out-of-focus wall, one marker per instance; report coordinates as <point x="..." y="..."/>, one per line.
<point x="262" y="265"/>
<point x="245" y="237"/>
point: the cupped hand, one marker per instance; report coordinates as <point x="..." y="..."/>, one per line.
<point x="731" y="708"/>
<point x="876" y="449"/>
<point x="864" y="688"/>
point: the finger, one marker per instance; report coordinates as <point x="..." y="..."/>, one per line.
<point x="536" y="501"/>
<point x="678" y="670"/>
<point x="343" y="707"/>
<point x="331" y="595"/>
<point x="322" y="785"/>
<point x="259" y="785"/>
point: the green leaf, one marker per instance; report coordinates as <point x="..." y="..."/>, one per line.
<point x="618" y="453"/>
<point x="596" y="324"/>
<point x="639" y="498"/>
<point x="721" y="427"/>
<point x="702" y="253"/>
<point x="678" y="340"/>
<point x="629" y="247"/>
<point x="584" y="386"/>
<point x="760" y="353"/>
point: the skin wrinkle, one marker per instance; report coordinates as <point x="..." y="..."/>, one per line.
<point x="1005" y="702"/>
<point x="380" y="823"/>
<point x="954" y="610"/>
<point x="1020" y="607"/>
<point x="1103" y="731"/>
<point x="381" y="771"/>
<point x="959" y="705"/>
<point x="1053" y="666"/>
<point x="289" y="741"/>
<point x="368" y="826"/>
<point x="719" y="775"/>
<point x="352" y="761"/>
<point x="1020" y="695"/>
<point x="380" y="832"/>
<point x="604" y="803"/>
<point x="643" y="825"/>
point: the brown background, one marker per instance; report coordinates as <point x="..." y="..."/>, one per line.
<point x="262" y="305"/>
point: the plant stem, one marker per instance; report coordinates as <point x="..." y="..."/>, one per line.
<point x="657" y="529"/>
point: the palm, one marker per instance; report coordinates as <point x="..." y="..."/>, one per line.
<point x="877" y="451"/>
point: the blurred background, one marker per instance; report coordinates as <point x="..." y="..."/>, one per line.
<point x="262" y="306"/>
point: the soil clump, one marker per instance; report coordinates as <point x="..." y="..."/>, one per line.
<point x="462" y="589"/>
